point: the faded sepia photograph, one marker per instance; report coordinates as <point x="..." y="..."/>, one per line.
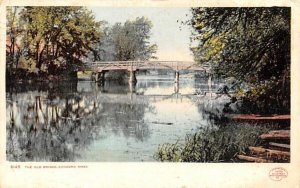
<point x="148" y="84"/>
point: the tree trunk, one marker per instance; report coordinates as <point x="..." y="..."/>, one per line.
<point x="37" y="59"/>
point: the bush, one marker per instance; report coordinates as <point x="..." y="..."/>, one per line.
<point x="269" y="97"/>
<point x="212" y="144"/>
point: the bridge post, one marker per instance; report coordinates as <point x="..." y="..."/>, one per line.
<point x="176" y="87"/>
<point x="132" y="77"/>
<point x="176" y="77"/>
<point x="100" y="77"/>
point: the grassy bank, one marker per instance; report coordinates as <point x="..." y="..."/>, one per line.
<point x="220" y="144"/>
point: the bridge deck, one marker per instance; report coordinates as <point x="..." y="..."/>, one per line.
<point x="144" y="65"/>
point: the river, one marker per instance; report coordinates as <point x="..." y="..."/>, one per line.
<point x="82" y="121"/>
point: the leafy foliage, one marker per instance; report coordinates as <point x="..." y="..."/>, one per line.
<point x="250" y="44"/>
<point x="128" y="41"/>
<point x="131" y="40"/>
<point x="56" y="37"/>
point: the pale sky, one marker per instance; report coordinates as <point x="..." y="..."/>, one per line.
<point x="173" y="43"/>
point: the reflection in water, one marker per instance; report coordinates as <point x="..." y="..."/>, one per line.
<point x="85" y="122"/>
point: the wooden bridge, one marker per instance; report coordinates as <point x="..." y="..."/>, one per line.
<point x="101" y="67"/>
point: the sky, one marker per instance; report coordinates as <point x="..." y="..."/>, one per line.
<point x="173" y="43"/>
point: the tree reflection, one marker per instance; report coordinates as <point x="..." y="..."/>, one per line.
<point x="126" y="119"/>
<point x="50" y="122"/>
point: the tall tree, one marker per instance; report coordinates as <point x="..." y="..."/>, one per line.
<point x="250" y="44"/>
<point x="59" y="36"/>
<point x="14" y="31"/>
<point x="130" y="40"/>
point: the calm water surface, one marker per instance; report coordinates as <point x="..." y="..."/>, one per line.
<point x="82" y="121"/>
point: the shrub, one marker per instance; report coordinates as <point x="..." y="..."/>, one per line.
<point x="220" y="144"/>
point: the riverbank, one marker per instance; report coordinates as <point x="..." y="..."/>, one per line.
<point x="235" y="140"/>
<point x="211" y="145"/>
<point x="24" y="76"/>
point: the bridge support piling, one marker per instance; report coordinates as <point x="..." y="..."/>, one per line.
<point x="176" y="87"/>
<point x="132" y="77"/>
<point x="176" y="77"/>
<point x="100" y="77"/>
